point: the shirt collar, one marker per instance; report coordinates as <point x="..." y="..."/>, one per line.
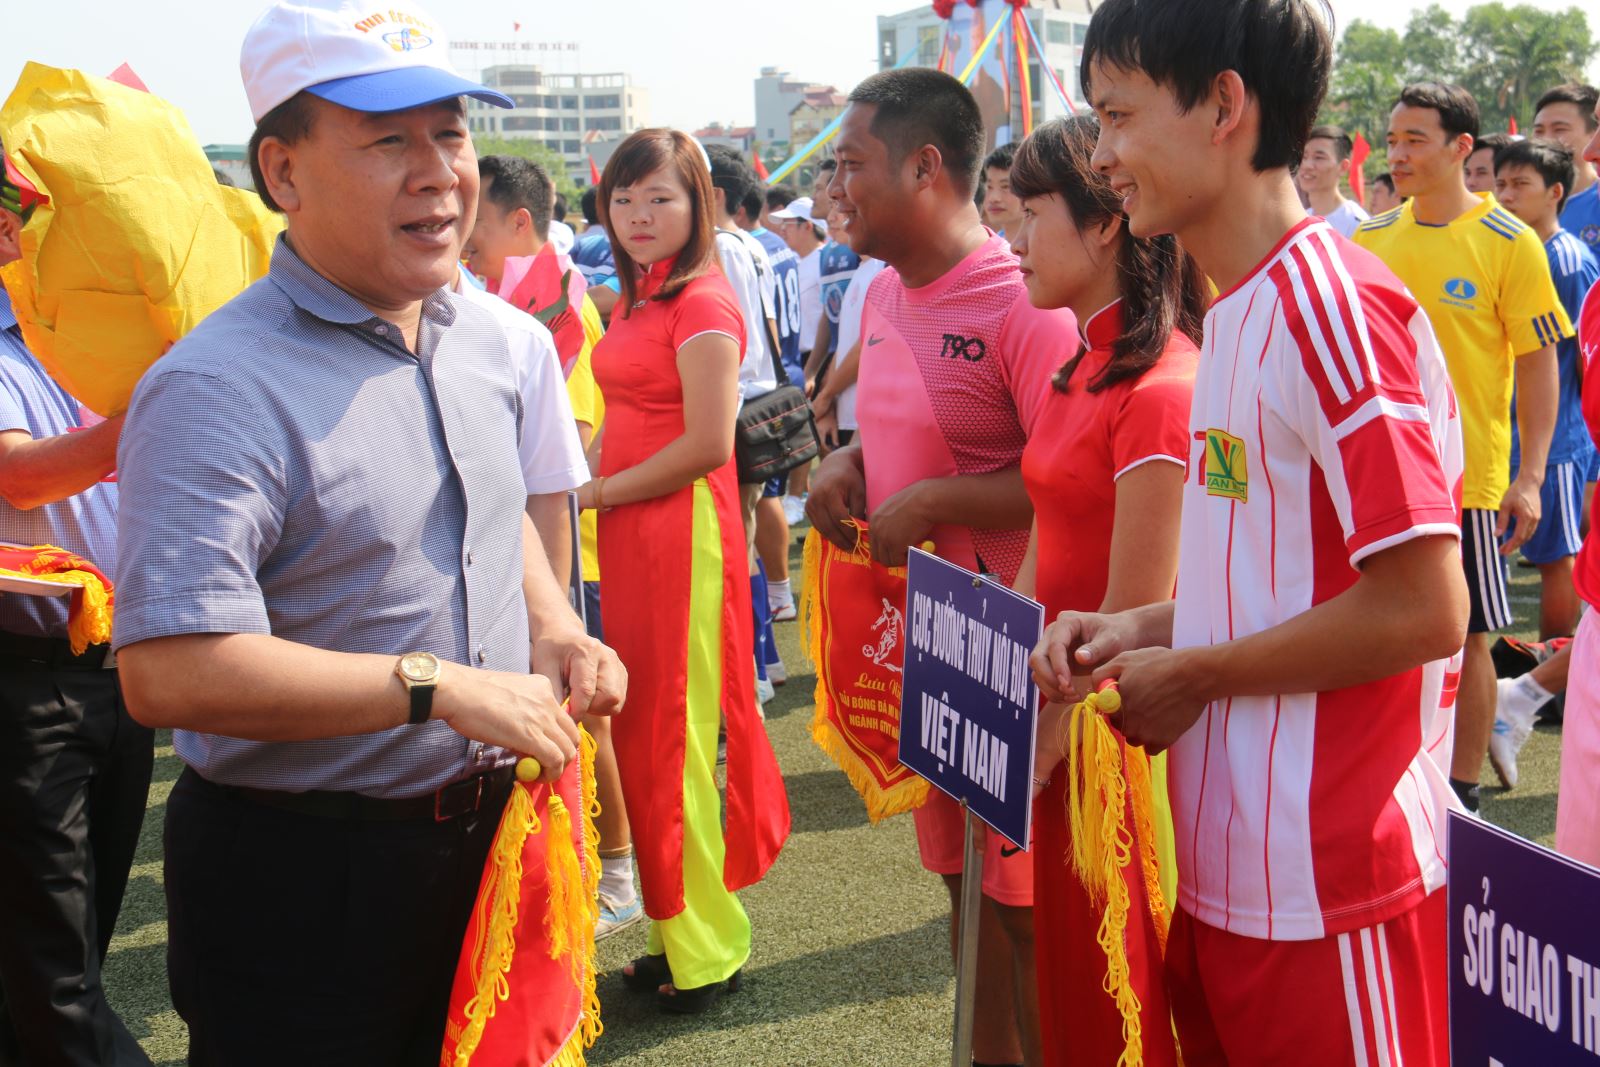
<point x="317" y="295"/>
<point x="1102" y="329"/>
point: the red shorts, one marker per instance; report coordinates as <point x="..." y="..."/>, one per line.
<point x="1373" y="997"/>
<point x="942" y="840"/>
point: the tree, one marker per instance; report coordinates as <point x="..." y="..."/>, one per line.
<point x="528" y="148"/>
<point x="1505" y="56"/>
<point x="1513" y="54"/>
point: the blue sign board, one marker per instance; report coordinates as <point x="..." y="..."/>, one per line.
<point x="969" y="707"/>
<point x="1524" y="951"/>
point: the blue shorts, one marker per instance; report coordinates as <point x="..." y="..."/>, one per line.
<point x="591" y="610"/>
<point x="776" y="487"/>
<point x="1560" y="515"/>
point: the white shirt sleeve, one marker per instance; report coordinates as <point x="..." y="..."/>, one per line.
<point x="755" y="371"/>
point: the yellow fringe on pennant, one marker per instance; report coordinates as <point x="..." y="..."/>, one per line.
<point x="89" y="619"/>
<point x="501" y="904"/>
<point x="1105" y="778"/>
<point x="573" y="875"/>
<point x="881" y="803"/>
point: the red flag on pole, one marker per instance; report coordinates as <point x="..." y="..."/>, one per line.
<point x="1512" y="126"/>
<point x="761" y="168"/>
<point x="1359" y="151"/>
<point x="594" y="172"/>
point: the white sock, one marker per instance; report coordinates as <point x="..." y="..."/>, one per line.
<point x="778" y="594"/>
<point x="616" y="879"/>
<point x="1523" y="699"/>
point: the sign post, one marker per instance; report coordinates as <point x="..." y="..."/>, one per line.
<point x="1524" y="959"/>
<point x="969" y="712"/>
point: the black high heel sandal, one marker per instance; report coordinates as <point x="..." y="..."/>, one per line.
<point x="650" y="973"/>
<point x="699" y="999"/>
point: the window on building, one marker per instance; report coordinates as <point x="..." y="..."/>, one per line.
<point x="569" y="125"/>
<point x="930" y="42"/>
<point x="518" y="77"/>
<point x="571" y="148"/>
<point x="606" y="122"/>
<point x="609" y="101"/>
<point x="569" y="103"/>
<point x="521" y="122"/>
<point x="886" y="49"/>
<point x="1057" y="32"/>
<point x="531" y="100"/>
<point x="1080" y="30"/>
<point x="1036" y="83"/>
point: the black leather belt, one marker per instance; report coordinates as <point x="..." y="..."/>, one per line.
<point x="54" y="652"/>
<point x="443" y="804"/>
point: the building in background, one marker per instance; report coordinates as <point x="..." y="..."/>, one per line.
<point x="741" y="139"/>
<point x="232" y="160"/>
<point x="578" y="115"/>
<point x="1059" y="24"/>
<point x="778" y="97"/>
<point x="818" y="106"/>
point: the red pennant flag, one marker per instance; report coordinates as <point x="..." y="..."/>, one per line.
<point x="1513" y="126"/>
<point x="761" y="168"/>
<point x="594" y="172"/>
<point x="516" y="27"/>
<point x="1359" y="151"/>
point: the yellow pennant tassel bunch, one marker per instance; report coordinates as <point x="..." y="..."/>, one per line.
<point x="570" y="915"/>
<point x="1117" y="807"/>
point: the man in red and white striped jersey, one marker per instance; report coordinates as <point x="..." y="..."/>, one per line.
<point x="1299" y="673"/>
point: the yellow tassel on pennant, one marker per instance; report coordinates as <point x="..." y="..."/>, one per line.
<point x="1105" y="779"/>
<point x="500" y="905"/>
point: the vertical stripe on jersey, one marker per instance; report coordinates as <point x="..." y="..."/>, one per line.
<point x="1352" y="1001"/>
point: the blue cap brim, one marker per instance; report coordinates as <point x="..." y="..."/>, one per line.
<point x="404" y="88"/>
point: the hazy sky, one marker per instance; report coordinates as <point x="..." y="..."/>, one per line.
<point x="696" y="57"/>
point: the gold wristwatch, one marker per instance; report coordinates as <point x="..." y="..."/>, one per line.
<point x="420" y="673"/>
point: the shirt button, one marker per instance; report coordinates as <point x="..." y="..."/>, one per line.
<point x="383" y="330"/>
<point x="469" y="557"/>
<point x="483" y="657"/>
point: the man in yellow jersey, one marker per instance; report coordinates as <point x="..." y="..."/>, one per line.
<point x="1483" y="279"/>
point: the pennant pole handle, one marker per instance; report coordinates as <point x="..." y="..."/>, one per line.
<point x="967" y="952"/>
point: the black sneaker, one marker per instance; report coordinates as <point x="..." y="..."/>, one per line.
<point x="1467" y="793"/>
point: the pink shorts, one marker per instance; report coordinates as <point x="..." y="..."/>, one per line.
<point x="1366" y="997"/>
<point x="1578" y="798"/>
<point x="941" y="838"/>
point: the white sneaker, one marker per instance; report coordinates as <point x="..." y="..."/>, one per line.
<point x="794" y="509"/>
<point x="785" y="612"/>
<point x="776" y="673"/>
<point x="614" y="917"/>
<point x="764" y="691"/>
<point x="1508" y="738"/>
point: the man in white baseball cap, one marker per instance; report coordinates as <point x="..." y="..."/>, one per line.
<point x="328" y="587"/>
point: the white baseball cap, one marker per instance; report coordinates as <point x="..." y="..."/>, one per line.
<point x="797" y="209"/>
<point x="388" y="59"/>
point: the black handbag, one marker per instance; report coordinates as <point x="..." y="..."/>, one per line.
<point x="775" y="432"/>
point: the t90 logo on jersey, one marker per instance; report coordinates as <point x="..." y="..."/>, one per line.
<point x="1226" y="473"/>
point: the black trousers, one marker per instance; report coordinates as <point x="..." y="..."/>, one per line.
<point x="295" y="939"/>
<point x="74" y="780"/>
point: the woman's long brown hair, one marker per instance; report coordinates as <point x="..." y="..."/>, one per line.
<point x="638" y="157"/>
<point x="1161" y="286"/>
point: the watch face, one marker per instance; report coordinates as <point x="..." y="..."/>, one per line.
<point x="419" y="666"/>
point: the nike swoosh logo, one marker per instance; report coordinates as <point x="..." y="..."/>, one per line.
<point x="875" y="341"/>
<point x="1007" y="853"/>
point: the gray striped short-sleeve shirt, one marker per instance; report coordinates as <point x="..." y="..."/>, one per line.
<point x="291" y="468"/>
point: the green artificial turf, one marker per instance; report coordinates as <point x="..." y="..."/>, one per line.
<point x="851" y="963"/>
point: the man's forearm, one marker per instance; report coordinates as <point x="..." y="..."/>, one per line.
<point x="549" y="611"/>
<point x="552" y="521"/>
<point x="38" y="471"/>
<point x="1538" y="398"/>
<point x="259" y="688"/>
<point x="994" y="501"/>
